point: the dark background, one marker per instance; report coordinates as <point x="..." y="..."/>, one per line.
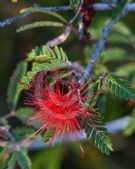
<point x="14" y="48"/>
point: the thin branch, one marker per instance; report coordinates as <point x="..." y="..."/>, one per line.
<point x="7" y="116"/>
<point x="101" y="43"/>
<point x="61" y="38"/>
<point x="97" y="7"/>
<point x="7" y="133"/>
<point x="105" y="6"/>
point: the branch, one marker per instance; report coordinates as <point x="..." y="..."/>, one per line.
<point x="101" y="43"/>
<point x="7" y="133"/>
<point x="105" y="6"/>
<point x="97" y="7"/>
<point x="61" y="38"/>
<point x="7" y="116"/>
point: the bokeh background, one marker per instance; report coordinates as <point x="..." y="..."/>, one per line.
<point x="14" y="48"/>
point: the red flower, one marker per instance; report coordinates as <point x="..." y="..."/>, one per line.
<point x="59" y="105"/>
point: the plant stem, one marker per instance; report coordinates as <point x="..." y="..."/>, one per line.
<point x="101" y="43"/>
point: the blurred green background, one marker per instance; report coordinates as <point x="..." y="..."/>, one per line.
<point x="14" y="48"/>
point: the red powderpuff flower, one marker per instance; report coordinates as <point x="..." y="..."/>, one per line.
<point x="59" y="105"/>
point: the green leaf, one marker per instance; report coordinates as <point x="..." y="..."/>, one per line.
<point x="74" y="3"/>
<point x="38" y="9"/>
<point x="123" y="29"/>
<point x="1" y="149"/>
<point x="10" y="162"/>
<point x="23" y="159"/>
<point x="3" y="121"/>
<point x="44" y="53"/>
<point x="121" y="32"/>
<point x="39" y="24"/>
<point x="97" y="133"/>
<point x="39" y="67"/>
<point x="45" y="58"/>
<point x="20" y="133"/>
<point x="113" y="54"/>
<point x="94" y="90"/>
<point x="120" y="87"/>
<point x="118" y="8"/>
<point x="13" y="93"/>
<point x="23" y="113"/>
<point x="48" y="136"/>
<point x="127" y="69"/>
<point x="130" y="128"/>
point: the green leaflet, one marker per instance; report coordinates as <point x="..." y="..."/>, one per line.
<point x="44" y="53"/>
<point x="113" y="54"/>
<point x="37" y="68"/>
<point x="23" y="159"/>
<point x="130" y="128"/>
<point x="38" y="9"/>
<point x="13" y="93"/>
<point x="97" y="133"/>
<point x="119" y="34"/>
<point x="21" y="133"/>
<point x="127" y="69"/>
<point x="118" y="8"/>
<point x="120" y="87"/>
<point x="1" y="149"/>
<point x="20" y="157"/>
<point x="23" y="114"/>
<point x="39" y="24"/>
<point x="44" y="58"/>
<point x="48" y="136"/>
<point x="3" y="121"/>
<point x="93" y="91"/>
<point x="74" y="3"/>
<point x="10" y="162"/>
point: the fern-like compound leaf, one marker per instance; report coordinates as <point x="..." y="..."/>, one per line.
<point x="22" y="114"/>
<point x="21" y="133"/>
<point x="10" y="162"/>
<point x="23" y="159"/>
<point x="97" y="133"/>
<point x="93" y="91"/>
<point x="120" y="87"/>
<point x="13" y="92"/>
<point x="44" y="58"/>
<point x="44" y="53"/>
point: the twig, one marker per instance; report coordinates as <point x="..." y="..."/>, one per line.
<point x="7" y="133"/>
<point x="7" y="116"/>
<point x="97" y="7"/>
<point x="100" y="45"/>
<point x="60" y="39"/>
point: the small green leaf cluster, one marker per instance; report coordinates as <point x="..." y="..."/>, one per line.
<point x="74" y="3"/>
<point x="44" y="58"/>
<point x="19" y="157"/>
